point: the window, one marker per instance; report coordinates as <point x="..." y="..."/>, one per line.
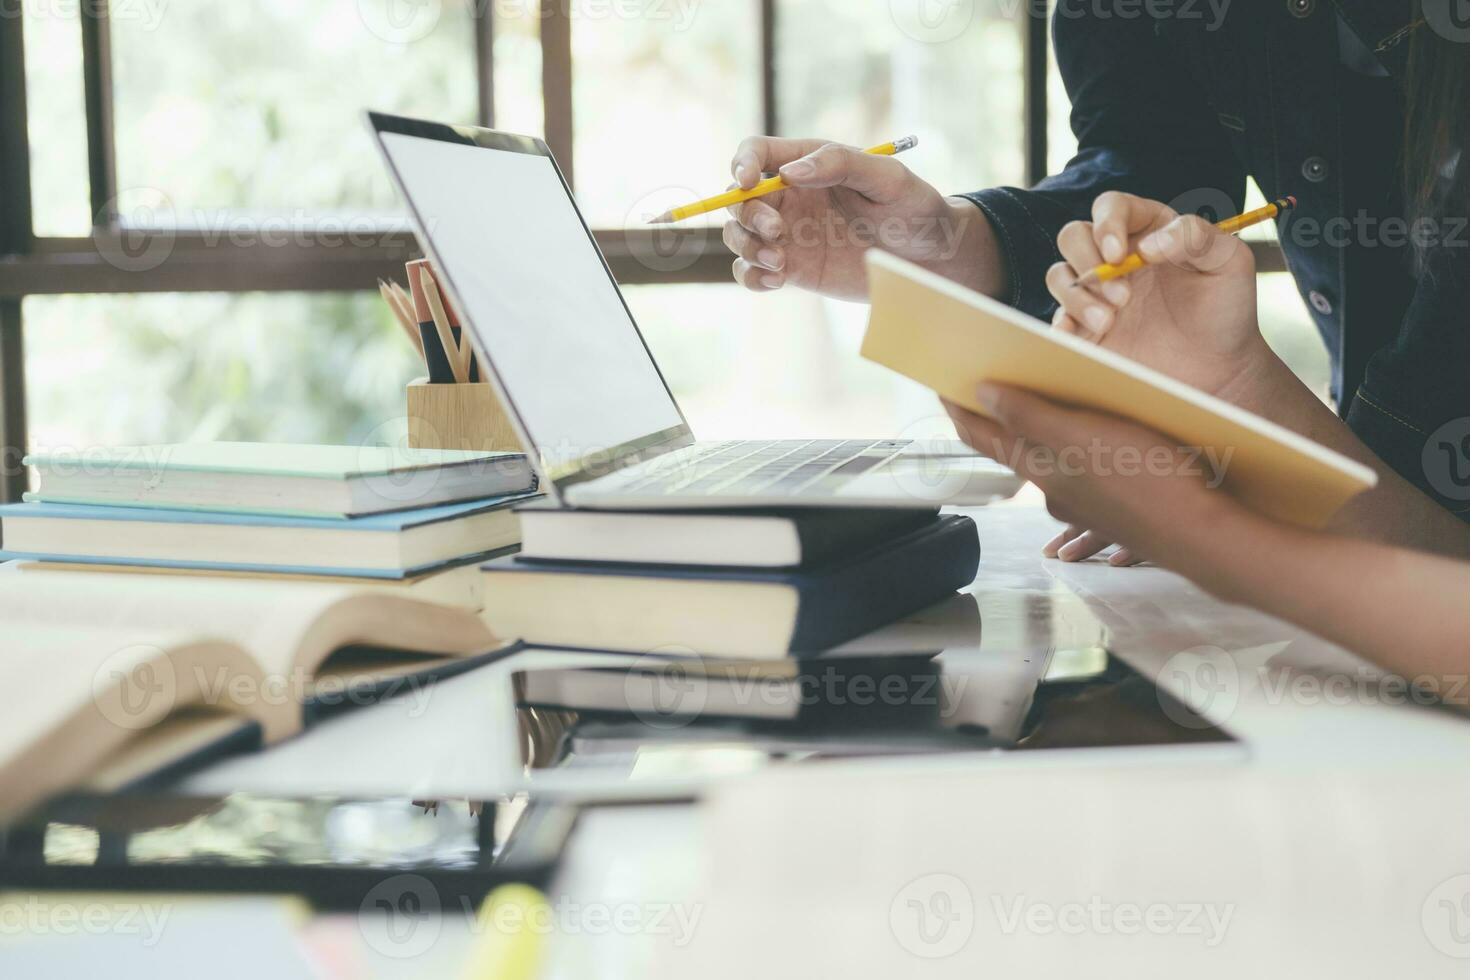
<point x="257" y="106"/>
<point x="181" y="367"/>
<point x="193" y="209"/>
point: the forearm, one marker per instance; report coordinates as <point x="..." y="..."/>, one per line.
<point x="1401" y="609"/>
<point x="970" y="252"/>
<point x="1395" y="511"/>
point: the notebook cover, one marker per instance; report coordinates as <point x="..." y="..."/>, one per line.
<point x="266" y="459"/>
<point x="398" y="520"/>
<point x="386" y="574"/>
<point x="951" y="338"/>
<point x="839" y="600"/>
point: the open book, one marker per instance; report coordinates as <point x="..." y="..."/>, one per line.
<point x="951" y="338"/>
<point x="112" y="677"/>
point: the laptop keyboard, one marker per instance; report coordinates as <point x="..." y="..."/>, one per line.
<point x="753" y="467"/>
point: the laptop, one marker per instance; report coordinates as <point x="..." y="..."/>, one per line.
<point x="581" y="387"/>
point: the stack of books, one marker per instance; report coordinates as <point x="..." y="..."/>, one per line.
<point x="369" y="513"/>
<point x="749" y="585"/>
<point x="732" y="617"/>
<point x="218" y="597"/>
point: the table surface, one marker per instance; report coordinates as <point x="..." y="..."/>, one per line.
<point x="1330" y="814"/>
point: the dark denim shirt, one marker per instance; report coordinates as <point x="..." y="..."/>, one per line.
<point x="1183" y="103"/>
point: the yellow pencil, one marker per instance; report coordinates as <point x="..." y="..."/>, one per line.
<point x="1109" y="271"/>
<point x="768" y="186"/>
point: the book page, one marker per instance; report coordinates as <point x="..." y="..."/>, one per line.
<point x="77" y="694"/>
<point x="289" y="627"/>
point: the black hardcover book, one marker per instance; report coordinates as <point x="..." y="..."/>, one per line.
<point x="793" y="538"/>
<point x="730" y="612"/>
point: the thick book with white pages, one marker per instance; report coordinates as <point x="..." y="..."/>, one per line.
<point x="761" y="690"/>
<point x="748" y="613"/>
<point x="741" y="538"/>
<point x="397" y="545"/>
<point x="277" y="478"/>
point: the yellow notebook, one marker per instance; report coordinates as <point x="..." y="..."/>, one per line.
<point x="951" y="338"/>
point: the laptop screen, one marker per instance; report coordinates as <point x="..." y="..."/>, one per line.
<point x="533" y="289"/>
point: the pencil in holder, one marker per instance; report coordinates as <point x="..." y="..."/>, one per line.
<point x="436" y="357"/>
<point x="458" y="416"/>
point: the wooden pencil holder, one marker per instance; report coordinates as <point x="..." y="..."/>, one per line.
<point x="458" y="416"/>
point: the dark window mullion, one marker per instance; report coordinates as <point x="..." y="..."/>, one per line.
<point x="484" y="15"/>
<point x="16" y="237"/>
<point x="97" y="88"/>
<point x="770" y="104"/>
<point x="1034" y="66"/>
<point x="556" y="81"/>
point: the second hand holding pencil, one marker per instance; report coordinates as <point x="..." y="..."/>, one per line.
<point x="1109" y="271"/>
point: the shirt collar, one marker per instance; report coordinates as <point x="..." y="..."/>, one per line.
<point x="1384" y="26"/>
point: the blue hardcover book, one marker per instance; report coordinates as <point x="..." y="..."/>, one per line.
<point x="396" y="545"/>
<point x="730" y="612"/>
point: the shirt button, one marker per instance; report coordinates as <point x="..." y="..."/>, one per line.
<point x="1320" y="303"/>
<point x="1315" y="169"/>
<point x="1301" y="8"/>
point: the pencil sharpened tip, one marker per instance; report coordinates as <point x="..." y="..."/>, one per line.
<point x="666" y="218"/>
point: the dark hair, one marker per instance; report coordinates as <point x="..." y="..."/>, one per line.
<point x="1436" y="126"/>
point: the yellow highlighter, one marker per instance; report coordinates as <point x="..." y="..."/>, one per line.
<point x="511" y="929"/>
<point x="768" y="186"/>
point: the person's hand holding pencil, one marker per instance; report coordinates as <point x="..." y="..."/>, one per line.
<point x="1188" y="310"/>
<point x="839" y="201"/>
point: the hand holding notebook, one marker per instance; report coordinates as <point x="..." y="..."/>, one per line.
<point x="952" y="339"/>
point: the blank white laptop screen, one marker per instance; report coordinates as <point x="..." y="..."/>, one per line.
<point x="535" y="292"/>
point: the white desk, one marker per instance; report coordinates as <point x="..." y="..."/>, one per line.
<point x="1327" y="844"/>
